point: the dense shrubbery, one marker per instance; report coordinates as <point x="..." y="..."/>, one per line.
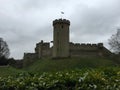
<point x="85" y="79"/>
<point x="3" y="61"/>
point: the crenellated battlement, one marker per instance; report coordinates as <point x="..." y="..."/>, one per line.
<point x="60" y="21"/>
<point x="86" y="44"/>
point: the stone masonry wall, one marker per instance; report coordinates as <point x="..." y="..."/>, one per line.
<point x="82" y="50"/>
<point x="43" y="49"/>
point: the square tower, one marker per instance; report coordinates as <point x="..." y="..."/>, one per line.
<point x="61" y="38"/>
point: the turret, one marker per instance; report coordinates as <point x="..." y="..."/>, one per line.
<point x="61" y="38"/>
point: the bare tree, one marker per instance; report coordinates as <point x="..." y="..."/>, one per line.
<point x="114" y="42"/>
<point x="4" y="50"/>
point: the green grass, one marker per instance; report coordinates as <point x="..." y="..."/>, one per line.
<point x="7" y="70"/>
<point x="50" y="65"/>
<point x="53" y="65"/>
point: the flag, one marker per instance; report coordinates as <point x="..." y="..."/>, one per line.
<point x="62" y="12"/>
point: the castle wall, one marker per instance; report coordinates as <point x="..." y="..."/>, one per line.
<point x="29" y="58"/>
<point x="75" y="50"/>
<point x="82" y="50"/>
<point x="30" y="55"/>
<point x="63" y="48"/>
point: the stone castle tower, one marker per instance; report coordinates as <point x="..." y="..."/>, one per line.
<point x="61" y="38"/>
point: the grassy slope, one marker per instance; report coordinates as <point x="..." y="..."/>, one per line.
<point x="5" y="71"/>
<point x="63" y="64"/>
<point x="49" y="65"/>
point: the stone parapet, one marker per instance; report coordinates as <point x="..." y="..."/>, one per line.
<point x="61" y="21"/>
<point x="85" y="45"/>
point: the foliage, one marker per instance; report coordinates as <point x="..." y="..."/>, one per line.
<point x="3" y="61"/>
<point x="114" y="42"/>
<point x="4" y="50"/>
<point x="48" y="64"/>
<point x="85" y="79"/>
<point x="15" y="63"/>
<point x="5" y="71"/>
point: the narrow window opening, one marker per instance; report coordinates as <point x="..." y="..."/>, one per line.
<point x="62" y="26"/>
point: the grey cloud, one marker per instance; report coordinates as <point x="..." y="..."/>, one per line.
<point x="23" y="23"/>
<point x="92" y="22"/>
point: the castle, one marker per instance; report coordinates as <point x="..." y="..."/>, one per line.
<point x="63" y="48"/>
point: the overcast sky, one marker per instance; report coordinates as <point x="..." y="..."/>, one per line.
<point x="23" y="23"/>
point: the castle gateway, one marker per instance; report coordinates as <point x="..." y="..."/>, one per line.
<point x="63" y="48"/>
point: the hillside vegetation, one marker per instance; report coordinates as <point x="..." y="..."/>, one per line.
<point x="46" y="65"/>
<point x="8" y="70"/>
<point x="63" y="74"/>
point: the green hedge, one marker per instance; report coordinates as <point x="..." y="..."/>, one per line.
<point x="85" y="79"/>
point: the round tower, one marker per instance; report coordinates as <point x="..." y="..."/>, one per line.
<point x="61" y="38"/>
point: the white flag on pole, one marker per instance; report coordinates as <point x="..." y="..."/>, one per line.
<point x="62" y="12"/>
